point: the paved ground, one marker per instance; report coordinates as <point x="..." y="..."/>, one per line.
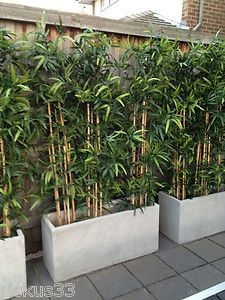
<point x="174" y="272"/>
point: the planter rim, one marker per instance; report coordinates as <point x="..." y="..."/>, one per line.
<point x="19" y="235"/>
<point x="92" y="220"/>
<point x="198" y="198"/>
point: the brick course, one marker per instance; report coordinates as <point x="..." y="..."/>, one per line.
<point x="213" y="15"/>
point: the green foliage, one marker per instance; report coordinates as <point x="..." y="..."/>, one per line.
<point x="88" y="126"/>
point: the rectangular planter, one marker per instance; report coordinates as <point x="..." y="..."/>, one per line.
<point x="190" y="219"/>
<point x="13" y="281"/>
<point x="82" y="247"/>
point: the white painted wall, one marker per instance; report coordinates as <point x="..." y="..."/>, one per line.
<point x="169" y="9"/>
<point x="61" y="5"/>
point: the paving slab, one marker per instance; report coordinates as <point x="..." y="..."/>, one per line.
<point x="84" y="290"/>
<point x="204" y="277"/>
<point x="218" y="238"/>
<point x="165" y="243"/>
<point x="206" y="249"/>
<point x="35" y="291"/>
<point x="175" y="288"/>
<point x="114" y="282"/>
<point x="42" y="272"/>
<point x="149" y="269"/>
<point x="181" y="259"/>
<point x="221" y="296"/>
<point x="141" y="294"/>
<point x="219" y="264"/>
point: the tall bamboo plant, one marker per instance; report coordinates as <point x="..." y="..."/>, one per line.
<point x="15" y="133"/>
<point x="198" y="167"/>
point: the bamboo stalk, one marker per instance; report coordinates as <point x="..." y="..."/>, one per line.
<point x="205" y="154"/>
<point x="184" y="180"/>
<point x="67" y="183"/>
<point x="220" y="140"/>
<point x="95" y="201"/>
<point x="88" y="198"/>
<point x="5" y="213"/>
<point x="209" y="151"/>
<point x="142" y="148"/>
<point x="71" y="185"/>
<point x="146" y="165"/>
<point x="184" y="163"/>
<point x="220" y="154"/>
<point x="61" y="170"/>
<point x="133" y="157"/>
<point x="175" y="177"/>
<point x="178" y="180"/>
<point x="99" y="148"/>
<point x="197" y="163"/>
<point x="138" y="159"/>
<point x="65" y="156"/>
<point x="53" y="161"/>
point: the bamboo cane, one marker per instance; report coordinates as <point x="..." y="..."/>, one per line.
<point x="220" y="154"/>
<point x="138" y="159"/>
<point x="88" y="199"/>
<point x="142" y="148"/>
<point x="197" y="163"/>
<point x="220" y="140"/>
<point x="184" y="163"/>
<point x="6" y="221"/>
<point x="52" y="153"/>
<point x="209" y="151"/>
<point x="145" y="152"/>
<point x="65" y="156"/>
<point x="66" y="183"/>
<point x="133" y="156"/>
<point x="178" y="179"/>
<point x="61" y="170"/>
<point x="99" y="148"/>
<point x="71" y="185"/>
<point x="205" y="154"/>
<point x="95" y="201"/>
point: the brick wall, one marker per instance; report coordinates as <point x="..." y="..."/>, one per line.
<point x="213" y="15"/>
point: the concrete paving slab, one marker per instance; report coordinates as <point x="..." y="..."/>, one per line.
<point x="207" y="250"/>
<point x="221" y="296"/>
<point x="175" y="288"/>
<point x="165" y="243"/>
<point x="34" y="285"/>
<point x="42" y="272"/>
<point x="141" y="294"/>
<point x="149" y="269"/>
<point x="114" y="282"/>
<point x="84" y="290"/>
<point x="204" y="277"/>
<point x="219" y="264"/>
<point x="218" y="238"/>
<point x="181" y="259"/>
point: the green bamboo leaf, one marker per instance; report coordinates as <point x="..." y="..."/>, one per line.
<point x="104" y="87"/>
<point x="19" y="131"/>
<point x="13" y="73"/>
<point x="40" y="63"/>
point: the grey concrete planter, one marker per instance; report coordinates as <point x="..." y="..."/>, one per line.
<point x="13" y="281"/>
<point x="190" y="219"/>
<point x="82" y="247"/>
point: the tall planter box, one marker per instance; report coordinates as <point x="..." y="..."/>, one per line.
<point x="190" y="219"/>
<point x="82" y="247"/>
<point x="13" y="281"/>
